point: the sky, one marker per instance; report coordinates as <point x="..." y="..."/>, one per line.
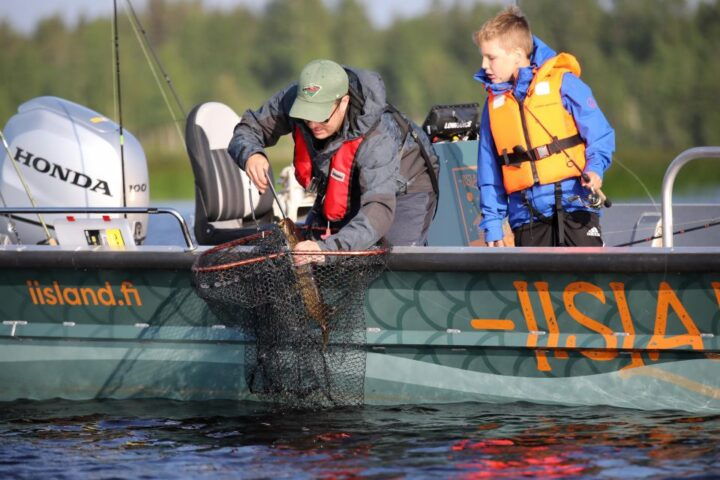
<point x="24" y="14"/>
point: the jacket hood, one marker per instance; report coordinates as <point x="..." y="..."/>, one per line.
<point x="368" y="98"/>
<point x="538" y="58"/>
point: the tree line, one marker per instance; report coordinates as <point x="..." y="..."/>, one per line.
<point x="652" y="64"/>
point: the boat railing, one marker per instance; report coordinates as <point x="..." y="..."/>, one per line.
<point x="669" y="180"/>
<point x="189" y="242"/>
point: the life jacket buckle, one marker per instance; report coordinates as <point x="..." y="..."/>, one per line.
<point x="542" y="152"/>
<point x="313" y="185"/>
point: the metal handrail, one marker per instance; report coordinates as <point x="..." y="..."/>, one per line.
<point x="99" y="210"/>
<point x="669" y="180"/>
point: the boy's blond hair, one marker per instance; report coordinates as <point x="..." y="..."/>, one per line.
<point x="510" y="27"/>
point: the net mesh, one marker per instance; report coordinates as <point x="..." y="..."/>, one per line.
<point x="305" y="324"/>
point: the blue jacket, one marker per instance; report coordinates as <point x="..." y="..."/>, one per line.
<point x="599" y="138"/>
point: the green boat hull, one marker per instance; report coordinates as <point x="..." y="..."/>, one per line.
<point x="629" y="328"/>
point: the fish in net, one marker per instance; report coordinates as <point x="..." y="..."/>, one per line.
<point x="304" y="324"/>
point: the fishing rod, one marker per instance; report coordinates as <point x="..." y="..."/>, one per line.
<point x="677" y="232"/>
<point x="12" y="228"/>
<point x="598" y="198"/>
<point x="50" y="239"/>
<point x="154" y="62"/>
<point x="118" y="92"/>
<point x="274" y="194"/>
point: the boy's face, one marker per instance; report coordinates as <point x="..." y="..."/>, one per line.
<point x="501" y="65"/>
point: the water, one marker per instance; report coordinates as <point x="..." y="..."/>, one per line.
<point x="159" y="439"/>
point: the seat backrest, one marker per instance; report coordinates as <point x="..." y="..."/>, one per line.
<point x="224" y="195"/>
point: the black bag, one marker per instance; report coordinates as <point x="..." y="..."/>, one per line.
<point x="451" y="123"/>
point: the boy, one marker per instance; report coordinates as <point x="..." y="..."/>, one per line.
<point x="541" y="130"/>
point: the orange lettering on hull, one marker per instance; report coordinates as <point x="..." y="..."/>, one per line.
<point x="522" y="291"/>
<point x="716" y="288"/>
<point x="546" y="302"/>
<point x="627" y="323"/>
<point x="492" y="324"/>
<point x="668" y="299"/>
<point x="84" y="296"/>
<point x="569" y="294"/>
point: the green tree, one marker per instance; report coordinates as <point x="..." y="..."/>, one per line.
<point x="292" y="33"/>
<point x="353" y="38"/>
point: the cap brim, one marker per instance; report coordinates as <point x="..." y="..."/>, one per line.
<point x="315" y="112"/>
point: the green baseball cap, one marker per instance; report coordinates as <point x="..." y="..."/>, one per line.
<point x="321" y="83"/>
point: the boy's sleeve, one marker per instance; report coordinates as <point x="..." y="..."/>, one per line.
<point x="594" y="128"/>
<point x="493" y="199"/>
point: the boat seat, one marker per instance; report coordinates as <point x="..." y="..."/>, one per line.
<point x="224" y="194"/>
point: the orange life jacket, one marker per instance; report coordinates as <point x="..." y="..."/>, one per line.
<point x="533" y="137"/>
<point x="337" y="192"/>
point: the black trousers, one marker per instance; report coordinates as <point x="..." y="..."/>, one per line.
<point x="581" y="229"/>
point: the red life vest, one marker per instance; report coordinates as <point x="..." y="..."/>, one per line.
<point x="337" y="192"/>
<point x="539" y="125"/>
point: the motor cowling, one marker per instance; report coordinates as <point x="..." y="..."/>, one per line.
<point x="69" y="156"/>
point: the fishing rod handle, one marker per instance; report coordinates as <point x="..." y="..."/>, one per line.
<point x="603" y="200"/>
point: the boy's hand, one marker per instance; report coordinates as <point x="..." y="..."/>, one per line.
<point x="497" y="243"/>
<point x="256" y="168"/>
<point x="591" y="181"/>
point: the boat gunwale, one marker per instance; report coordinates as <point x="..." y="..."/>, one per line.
<point x="417" y="259"/>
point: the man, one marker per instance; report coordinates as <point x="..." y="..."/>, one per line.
<point x="374" y="171"/>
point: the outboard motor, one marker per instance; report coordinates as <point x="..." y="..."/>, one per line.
<point x="69" y="156"/>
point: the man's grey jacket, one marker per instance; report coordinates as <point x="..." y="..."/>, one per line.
<point x="388" y="163"/>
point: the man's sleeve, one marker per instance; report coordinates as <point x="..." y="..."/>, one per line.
<point x="378" y="164"/>
<point x="594" y="128"/>
<point x="263" y="127"/>
<point x="493" y="199"/>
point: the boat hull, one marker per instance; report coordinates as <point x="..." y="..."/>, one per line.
<point x="628" y="328"/>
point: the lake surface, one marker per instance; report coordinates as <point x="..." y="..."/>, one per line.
<point x="159" y="439"/>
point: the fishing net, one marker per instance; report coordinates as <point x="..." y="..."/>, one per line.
<point x="304" y="324"/>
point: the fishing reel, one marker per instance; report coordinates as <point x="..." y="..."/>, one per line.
<point x="596" y="198"/>
<point x="593" y="200"/>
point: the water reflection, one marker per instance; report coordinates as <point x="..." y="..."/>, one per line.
<point x="163" y="439"/>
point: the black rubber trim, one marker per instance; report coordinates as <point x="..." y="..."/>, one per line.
<point x="559" y="260"/>
<point x="420" y="259"/>
<point x="144" y="260"/>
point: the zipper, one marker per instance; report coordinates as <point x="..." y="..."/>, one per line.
<point x="536" y="179"/>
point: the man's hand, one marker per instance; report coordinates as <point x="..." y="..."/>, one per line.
<point x="256" y="167"/>
<point x="594" y="182"/>
<point x="496" y="243"/>
<point x="307" y="246"/>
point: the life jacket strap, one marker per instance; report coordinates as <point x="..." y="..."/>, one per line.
<point x="519" y="154"/>
<point x="559" y="214"/>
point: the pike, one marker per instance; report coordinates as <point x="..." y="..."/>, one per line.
<point x="303" y="274"/>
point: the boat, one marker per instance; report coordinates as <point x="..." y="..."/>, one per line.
<point x="103" y="315"/>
